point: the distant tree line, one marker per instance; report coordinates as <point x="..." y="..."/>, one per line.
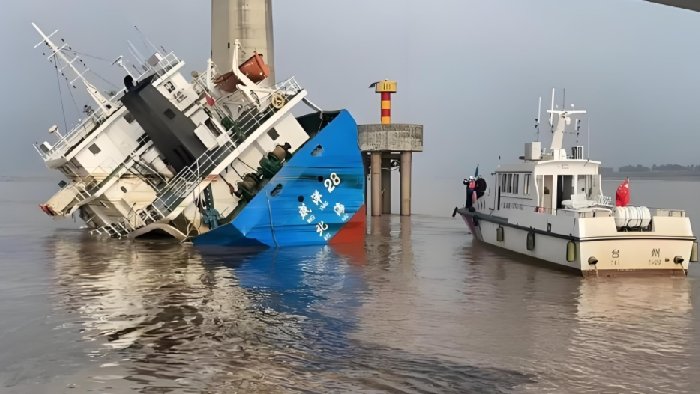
<point x="638" y="168"/>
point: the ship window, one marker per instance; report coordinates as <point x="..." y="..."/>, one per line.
<point x="169" y="113"/>
<point x="509" y="183"/>
<point x="503" y="182"/>
<point x="212" y="127"/>
<point x="169" y="86"/>
<point x="94" y="149"/>
<point x="526" y="184"/>
<point x="129" y="117"/>
<point x="516" y="178"/>
<point x="273" y="134"/>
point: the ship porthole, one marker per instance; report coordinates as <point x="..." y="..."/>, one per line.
<point x="300" y="198"/>
<point x="530" y="240"/>
<point x="570" y="251"/>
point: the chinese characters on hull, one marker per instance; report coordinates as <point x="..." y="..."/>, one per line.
<point x="306" y="212"/>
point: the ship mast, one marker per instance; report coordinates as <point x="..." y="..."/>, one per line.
<point x="563" y="120"/>
<point x="57" y="51"/>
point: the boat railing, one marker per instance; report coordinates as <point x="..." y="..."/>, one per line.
<point x="186" y="181"/>
<point x="167" y="63"/>
<point x="526" y="207"/>
<point x="592" y="211"/>
<point x="88" y="125"/>
<point x="666" y="212"/>
<point x="604" y="200"/>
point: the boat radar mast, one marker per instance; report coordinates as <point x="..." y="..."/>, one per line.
<point x="563" y="120"/>
<point x="57" y="51"/>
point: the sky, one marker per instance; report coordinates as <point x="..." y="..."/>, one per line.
<point x="470" y="71"/>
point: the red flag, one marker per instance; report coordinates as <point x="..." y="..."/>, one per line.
<point x="622" y="196"/>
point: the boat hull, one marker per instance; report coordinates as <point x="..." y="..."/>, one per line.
<point x="316" y="198"/>
<point x="637" y="254"/>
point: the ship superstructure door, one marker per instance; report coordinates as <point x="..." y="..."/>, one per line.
<point x="565" y="187"/>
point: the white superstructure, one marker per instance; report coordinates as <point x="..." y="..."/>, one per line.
<point x="550" y="206"/>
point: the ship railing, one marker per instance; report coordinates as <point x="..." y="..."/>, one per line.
<point x="186" y="181"/>
<point x="86" y="126"/>
<point x="668" y="212"/>
<point x="189" y="178"/>
<point x="287" y="89"/>
<point x="167" y="63"/>
<point x="77" y="134"/>
<point x="604" y="200"/>
<point x="99" y="116"/>
<point x="263" y="98"/>
<point x="527" y="207"/>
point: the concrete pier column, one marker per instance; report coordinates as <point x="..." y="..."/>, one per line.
<point x="406" y="158"/>
<point x="376" y="171"/>
<point x="386" y="186"/>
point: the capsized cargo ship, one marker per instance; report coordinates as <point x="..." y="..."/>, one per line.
<point x="220" y="159"/>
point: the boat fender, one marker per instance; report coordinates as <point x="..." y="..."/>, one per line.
<point x="500" y="235"/>
<point x="678" y="260"/>
<point x="694" y="253"/>
<point x="570" y="251"/>
<point x="592" y="260"/>
<point x="530" y="240"/>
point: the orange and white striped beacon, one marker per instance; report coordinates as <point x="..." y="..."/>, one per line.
<point x="385" y="88"/>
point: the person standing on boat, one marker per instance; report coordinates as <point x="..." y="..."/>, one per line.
<point x="471" y="191"/>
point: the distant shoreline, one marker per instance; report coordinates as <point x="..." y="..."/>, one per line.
<point x="654" y="176"/>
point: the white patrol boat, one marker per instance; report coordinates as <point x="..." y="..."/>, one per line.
<point x="550" y="206"/>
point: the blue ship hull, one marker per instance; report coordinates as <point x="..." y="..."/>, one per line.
<point x="318" y="197"/>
